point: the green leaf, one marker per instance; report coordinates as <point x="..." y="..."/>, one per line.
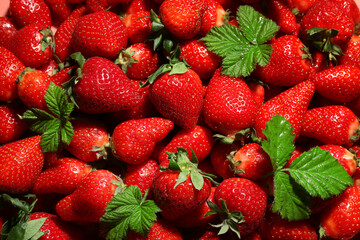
<point x="127" y="211"/>
<point x="178" y="68"/>
<point x="57" y="102"/>
<point x="320" y="173"/>
<point x="290" y="199"/>
<point x="67" y="132"/>
<point x="17" y="232"/>
<point x="51" y="140"/>
<point x="37" y="114"/>
<point x="79" y="58"/>
<point x="33" y="228"/>
<point x="197" y="179"/>
<point x="279" y="144"/>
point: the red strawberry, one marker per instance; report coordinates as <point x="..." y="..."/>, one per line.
<point x="62" y="177"/>
<point x="282" y="14"/>
<point x="138" y="25"/>
<point x="60" y="9"/>
<point x="331" y="125"/>
<point x="200" y="140"/>
<point x="182" y="18"/>
<point x="227" y="100"/>
<point x="100" y="34"/>
<point x="10" y="67"/>
<point x="88" y="202"/>
<point x="135" y="6"/>
<point x="214" y="15"/>
<point x="56" y="228"/>
<point x="89" y="140"/>
<point x="292" y="104"/>
<point x="287" y="66"/>
<point x="62" y="76"/>
<point x="29" y="12"/>
<point x="21" y="164"/>
<point x="64" y="34"/>
<point x="133" y="141"/>
<point x="341" y="220"/>
<point x="11" y="126"/>
<point x="34" y="45"/>
<point x="258" y="91"/>
<point x="302" y="5"/>
<point x="201" y="60"/>
<point x="350" y="8"/>
<point x="93" y="6"/>
<point x="49" y="68"/>
<point x="7" y="32"/>
<point x="351" y="52"/>
<point x="275" y="227"/>
<point x="32" y="86"/>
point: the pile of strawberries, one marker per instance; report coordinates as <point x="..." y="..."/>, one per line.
<point x="153" y="119"/>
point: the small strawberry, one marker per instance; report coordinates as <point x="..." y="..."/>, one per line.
<point x="11" y="126"/>
<point x="302" y="5"/>
<point x="21" y="163"/>
<point x="135" y="6"/>
<point x="29" y="12"/>
<point x="49" y="68"/>
<point x="62" y="76"/>
<point x="351" y="53"/>
<point x="214" y="15"/>
<point x="282" y="14"/>
<point x="138" y="25"/>
<point x="7" y="32"/>
<point x="258" y="91"/>
<point x="331" y="125"/>
<point x="133" y="141"/>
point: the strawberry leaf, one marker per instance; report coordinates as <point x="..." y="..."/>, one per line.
<point x="57" y="102"/>
<point x="51" y="139"/>
<point x="129" y="211"/>
<point x="32" y="230"/>
<point x="66" y="132"/>
<point x="320" y="173"/>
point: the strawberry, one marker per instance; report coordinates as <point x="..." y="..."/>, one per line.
<point x="138" y="25"/>
<point x="93" y="6"/>
<point x="302" y="5"/>
<point x="282" y="14"/>
<point x="214" y="15"/>
<point x="287" y="65"/>
<point x="62" y="76"/>
<point x="101" y="34"/>
<point x="341" y="220"/>
<point x="21" y="163"/>
<point x="10" y="67"/>
<point x="135" y="6"/>
<point x="227" y="100"/>
<point x="133" y="141"/>
<point x="338" y="83"/>
<point x="200" y="140"/>
<point x="331" y="125"/>
<point x="49" y="68"/>
<point x="32" y="86"/>
<point x="88" y="202"/>
<point x="11" y="126"/>
<point x="275" y="227"/>
<point x="258" y="91"/>
<point x="29" y="12"/>
<point x="89" y="140"/>
<point x="56" y="228"/>
<point x="34" y="45"/>
<point x="350" y="8"/>
<point x="201" y="60"/>
<point x="60" y="9"/>
<point x="64" y="34"/>
<point x="182" y="18"/>
<point x="7" y="32"/>
<point x="62" y="177"/>
<point x="351" y="52"/>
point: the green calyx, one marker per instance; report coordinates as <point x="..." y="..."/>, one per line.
<point x="125" y="59"/>
<point x="47" y="39"/>
<point x="22" y="73"/>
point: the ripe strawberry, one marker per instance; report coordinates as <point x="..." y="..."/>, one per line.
<point x="214" y="15"/>
<point x="200" y="59"/>
<point x="287" y="65"/>
<point x="200" y="140"/>
<point x="341" y="220"/>
<point x="34" y="45"/>
<point x="62" y="76"/>
<point x="93" y="6"/>
<point x="32" y="86"/>
<point x="62" y="177"/>
<point x="21" y="164"/>
<point x="292" y="104"/>
<point x="275" y="227"/>
<point x="227" y="100"/>
<point x="182" y="18"/>
<point x="135" y="6"/>
<point x="351" y="52"/>
<point x="11" y="126"/>
<point x="258" y="91"/>
<point x="60" y="9"/>
<point x="56" y="228"/>
<point x="88" y="202"/>
<point x="302" y="5"/>
<point x="29" y="12"/>
<point x="219" y="158"/>
<point x="331" y="125"/>
<point x="64" y="34"/>
<point x="350" y="8"/>
<point x="133" y="141"/>
<point x="7" y="32"/>
<point x="49" y="68"/>
<point x="101" y="34"/>
<point x="138" y="25"/>
<point x="89" y="140"/>
<point x="10" y="67"/>
<point x="282" y="14"/>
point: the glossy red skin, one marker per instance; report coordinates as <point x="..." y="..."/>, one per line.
<point x="344" y="156"/>
<point x="64" y="34"/>
<point x="60" y="9"/>
<point x="49" y="68"/>
<point x="201" y="60"/>
<point x="93" y="6"/>
<point x="350" y="8"/>
<point x="62" y="177"/>
<point x="57" y="228"/>
<point x="86" y="136"/>
<point x="330" y="124"/>
<point x="21" y="162"/>
<point x="213" y="16"/>
<point x="11" y="126"/>
<point x="200" y="140"/>
<point x="101" y="34"/>
<point x="227" y="100"/>
<point x="29" y="12"/>
<point x="27" y="46"/>
<point x="104" y="87"/>
<point x="241" y="194"/>
<point x="62" y="76"/>
<point x="274" y="227"/>
<point x="341" y="220"/>
<point x="302" y="5"/>
<point x="178" y="97"/>
<point x="258" y="91"/>
<point x="282" y="14"/>
<point x="160" y="230"/>
<point x="219" y="160"/>
<point x="7" y="32"/>
<point x="285" y="67"/>
<point x="138" y="25"/>
<point x="133" y="141"/>
<point x="88" y="202"/>
<point x="135" y="6"/>
<point x="292" y="104"/>
<point x="10" y="67"/>
<point x="351" y="52"/>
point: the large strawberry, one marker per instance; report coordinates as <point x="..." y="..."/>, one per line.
<point x="11" y="126"/>
<point x="21" y="163"/>
<point x="28" y="12"/>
